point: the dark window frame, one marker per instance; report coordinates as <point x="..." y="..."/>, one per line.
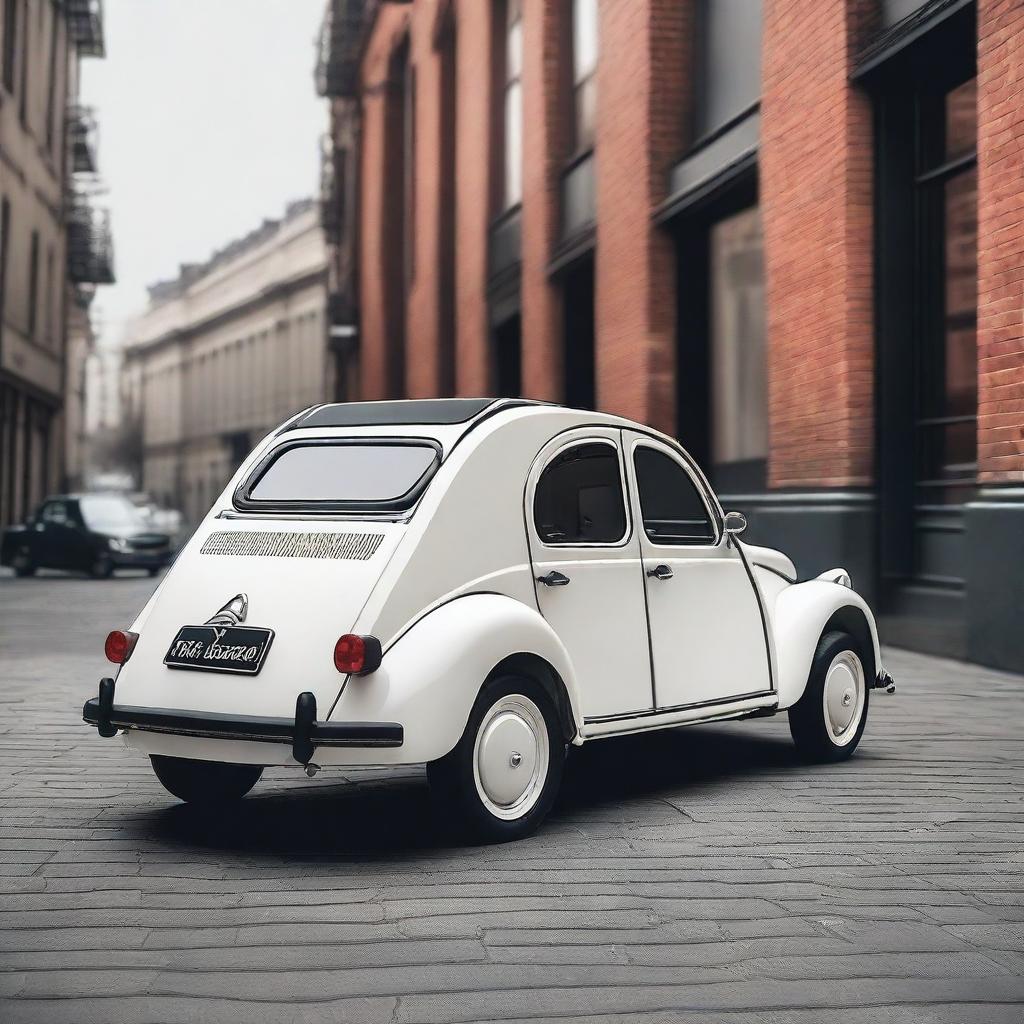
<point x="10" y="47"/>
<point x="243" y="501"/>
<point x="587" y="442"/>
<point x="909" y="299"/>
<point x="700" y="489"/>
<point x="5" y="238"/>
<point x="33" y="286"/>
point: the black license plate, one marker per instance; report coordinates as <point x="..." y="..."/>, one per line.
<point x="238" y="649"/>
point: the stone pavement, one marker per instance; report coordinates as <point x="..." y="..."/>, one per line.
<point x="697" y="875"/>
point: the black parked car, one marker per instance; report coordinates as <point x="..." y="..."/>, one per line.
<point x="94" y="533"/>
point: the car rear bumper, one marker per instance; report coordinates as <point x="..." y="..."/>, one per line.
<point x="303" y="732"/>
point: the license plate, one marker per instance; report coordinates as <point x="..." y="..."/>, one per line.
<point x="238" y="649"/>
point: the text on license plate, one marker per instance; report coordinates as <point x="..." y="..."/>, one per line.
<point x="239" y="649"/>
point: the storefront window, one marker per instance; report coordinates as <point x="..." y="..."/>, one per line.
<point x="947" y="182"/>
<point x="739" y="389"/>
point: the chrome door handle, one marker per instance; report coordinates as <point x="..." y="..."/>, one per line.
<point x="554" y="579"/>
<point x="661" y="572"/>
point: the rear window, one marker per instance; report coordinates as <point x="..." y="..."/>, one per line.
<point x="341" y="475"/>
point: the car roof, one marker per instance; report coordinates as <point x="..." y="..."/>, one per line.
<point x="408" y="412"/>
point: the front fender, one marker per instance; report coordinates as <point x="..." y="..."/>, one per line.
<point x="802" y="612"/>
<point x="430" y="677"/>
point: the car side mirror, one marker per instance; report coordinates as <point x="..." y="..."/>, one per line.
<point x="734" y="523"/>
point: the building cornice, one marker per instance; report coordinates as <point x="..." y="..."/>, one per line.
<point x="187" y="332"/>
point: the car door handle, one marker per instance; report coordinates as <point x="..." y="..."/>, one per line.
<point x="661" y="572"/>
<point x="554" y="579"/>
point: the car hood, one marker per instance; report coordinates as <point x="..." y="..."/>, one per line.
<point x="307" y="581"/>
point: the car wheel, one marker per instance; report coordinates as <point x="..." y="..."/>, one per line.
<point x="205" y="782"/>
<point x="22" y="563"/>
<point x="504" y="774"/>
<point x="828" y="720"/>
<point x="102" y="567"/>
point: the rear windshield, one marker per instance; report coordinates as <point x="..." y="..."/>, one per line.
<point x="341" y="475"/>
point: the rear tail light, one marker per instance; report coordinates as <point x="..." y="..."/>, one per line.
<point x="119" y="645"/>
<point x="356" y="655"/>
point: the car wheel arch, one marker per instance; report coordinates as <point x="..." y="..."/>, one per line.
<point x="851" y="619"/>
<point x="432" y="673"/>
<point x="534" y="667"/>
<point x="803" y="614"/>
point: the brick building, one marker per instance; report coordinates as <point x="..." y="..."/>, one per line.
<point x="791" y="233"/>
<point x="54" y="244"/>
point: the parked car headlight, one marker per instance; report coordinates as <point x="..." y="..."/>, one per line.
<point x="118" y="544"/>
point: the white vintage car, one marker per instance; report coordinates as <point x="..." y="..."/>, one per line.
<point x="477" y="585"/>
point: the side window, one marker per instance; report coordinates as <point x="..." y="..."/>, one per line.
<point x="579" y="497"/>
<point x="673" y="509"/>
<point x="55" y="513"/>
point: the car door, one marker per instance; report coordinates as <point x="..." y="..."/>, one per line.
<point x="52" y="543"/>
<point x="708" y="639"/>
<point x="586" y="562"/>
<point x="81" y="541"/>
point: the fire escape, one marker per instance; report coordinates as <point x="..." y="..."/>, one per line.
<point x="337" y="78"/>
<point x="85" y="24"/>
<point x="90" y="246"/>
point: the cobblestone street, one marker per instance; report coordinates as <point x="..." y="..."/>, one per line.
<point x="703" y="874"/>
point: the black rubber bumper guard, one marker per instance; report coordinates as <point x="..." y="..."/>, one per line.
<point x="303" y="732"/>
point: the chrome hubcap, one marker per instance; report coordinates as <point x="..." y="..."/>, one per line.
<point x="843" y="697"/>
<point x="510" y="757"/>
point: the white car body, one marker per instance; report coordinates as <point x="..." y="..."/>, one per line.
<point x="450" y="587"/>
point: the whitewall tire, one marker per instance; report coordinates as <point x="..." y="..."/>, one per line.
<point x="828" y="720"/>
<point x="502" y="777"/>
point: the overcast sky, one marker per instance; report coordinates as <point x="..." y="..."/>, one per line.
<point x="209" y="122"/>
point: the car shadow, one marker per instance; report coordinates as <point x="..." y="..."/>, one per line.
<point x="396" y="819"/>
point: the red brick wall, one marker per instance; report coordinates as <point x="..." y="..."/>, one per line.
<point x="1001" y="240"/>
<point x="374" y="244"/>
<point x="473" y="190"/>
<point x="643" y="94"/>
<point x="423" y="343"/>
<point x="816" y="202"/>
<point x="544" y="153"/>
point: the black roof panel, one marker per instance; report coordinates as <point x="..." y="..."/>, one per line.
<point x="428" y="411"/>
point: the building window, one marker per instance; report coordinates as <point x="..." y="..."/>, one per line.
<point x="5" y="235"/>
<point x="739" y="381"/>
<point x="947" y="406"/>
<point x="10" y="40"/>
<point x="926" y="286"/>
<point x="26" y="45"/>
<point x="584" y="73"/>
<point x="51" y="88"/>
<point x="33" y="285"/>
<point x="727" y="64"/>
<point x="512" y="141"/>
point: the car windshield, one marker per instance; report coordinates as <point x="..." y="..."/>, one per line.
<point x="340" y="474"/>
<point x="107" y="513"/>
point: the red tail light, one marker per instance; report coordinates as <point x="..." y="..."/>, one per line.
<point x="119" y="646"/>
<point x="356" y="655"/>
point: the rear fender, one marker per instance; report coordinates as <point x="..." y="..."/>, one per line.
<point x="803" y="612"/>
<point x="430" y="677"/>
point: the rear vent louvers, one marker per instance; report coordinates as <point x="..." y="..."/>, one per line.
<point x="352" y="546"/>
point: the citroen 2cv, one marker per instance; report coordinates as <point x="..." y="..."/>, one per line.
<point x="475" y="585"/>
